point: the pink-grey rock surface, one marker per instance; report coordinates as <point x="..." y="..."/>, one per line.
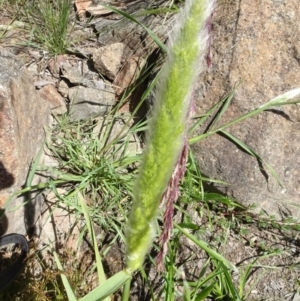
<point x="257" y="45"/>
<point x="22" y="117"/>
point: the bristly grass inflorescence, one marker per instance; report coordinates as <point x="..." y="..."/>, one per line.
<point x="167" y="127"/>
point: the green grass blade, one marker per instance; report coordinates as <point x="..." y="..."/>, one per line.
<point x="283" y="98"/>
<point x="229" y="283"/>
<point x="202" y="281"/>
<point x="204" y="293"/>
<point x="149" y="31"/>
<point x="147" y="281"/>
<point x="226" y="103"/>
<point x="275" y="102"/>
<point x="208" y="114"/>
<point x="211" y="196"/>
<point x="244" y="278"/>
<point x="203" y="245"/>
<point x="195" y="171"/>
<point x="209" y="277"/>
<point x="66" y="283"/>
<point x="34" y="166"/>
<point x="126" y="291"/>
<point x="251" y="152"/>
<point x="204" y="268"/>
<point x="100" y="270"/>
<point x="111" y="285"/>
<point x="187" y="291"/>
<point x="33" y="169"/>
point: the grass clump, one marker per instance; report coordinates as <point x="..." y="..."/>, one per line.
<point x="99" y="166"/>
<point x="47" y="24"/>
<point x="50" y="25"/>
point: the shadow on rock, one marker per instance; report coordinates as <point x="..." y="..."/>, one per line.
<point x="6" y="178"/>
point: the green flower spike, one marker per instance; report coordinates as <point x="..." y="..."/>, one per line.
<point x="167" y="127"/>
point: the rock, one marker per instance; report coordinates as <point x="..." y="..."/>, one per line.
<point x="23" y="115"/>
<point x="15" y="24"/>
<point x="254" y="45"/>
<point x="130" y="142"/>
<point x="107" y="59"/>
<point x="98" y="10"/>
<point x="42" y="83"/>
<point x="33" y="69"/>
<point x="74" y="73"/>
<point x="63" y="88"/>
<point x="56" y="102"/>
<point x="78" y="73"/>
<point x="128" y="74"/>
<point x="81" y="6"/>
<point x="134" y="37"/>
<point x="89" y="102"/>
<point x="35" y="55"/>
<point x="125" y="31"/>
<point x="55" y="64"/>
<point x="296" y="297"/>
<point x="59" y="224"/>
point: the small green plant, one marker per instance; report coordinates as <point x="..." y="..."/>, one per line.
<point x="49" y="23"/>
<point x="98" y="166"/>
